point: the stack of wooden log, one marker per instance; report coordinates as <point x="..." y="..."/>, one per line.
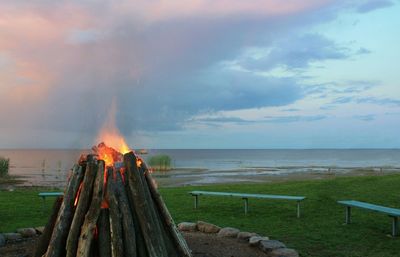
<point x="109" y="211"/>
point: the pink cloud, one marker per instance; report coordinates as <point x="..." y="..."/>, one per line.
<point x="159" y="10"/>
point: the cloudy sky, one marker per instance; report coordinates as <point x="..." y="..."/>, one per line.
<point x="201" y="73"/>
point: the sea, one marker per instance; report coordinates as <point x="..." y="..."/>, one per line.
<point x="50" y="167"/>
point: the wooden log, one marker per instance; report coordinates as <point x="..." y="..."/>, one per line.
<point x="81" y="207"/>
<point x="44" y="240"/>
<point x="169" y="223"/>
<point x="172" y="248"/>
<point x="57" y="242"/>
<point x="89" y="225"/>
<point x="117" y="247"/>
<point x="145" y="209"/>
<point x="140" y="245"/>
<point x="103" y="224"/>
<point x="128" y="227"/>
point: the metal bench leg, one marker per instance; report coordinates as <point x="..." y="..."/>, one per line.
<point x="298" y="209"/>
<point x="196" y="201"/>
<point x="246" y="205"/>
<point x="348" y="214"/>
<point x="395" y="224"/>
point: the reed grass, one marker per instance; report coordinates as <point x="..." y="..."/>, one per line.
<point x="4" y="166"/>
<point x="160" y="162"/>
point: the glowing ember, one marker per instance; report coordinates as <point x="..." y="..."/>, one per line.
<point x="78" y="194"/>
<point x="108" y="154"/>
<point x="139" y="162"/>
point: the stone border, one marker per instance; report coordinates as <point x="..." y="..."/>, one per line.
<point x="19" y="235"/>
<point x="273" y="248"/>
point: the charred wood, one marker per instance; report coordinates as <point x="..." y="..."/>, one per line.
<point x="117" y="246"/>
<point x="127" y="220"/>
<point x="169" y="223"/>
<point x="89" y="225"/>
<point x="140" y="243"/>
<point x="60" y="232"/>
<point x="103" y="224"/>
<point x="46" y="236"/>
<point x="145" y="209"/>
<point x="82" y="207"/>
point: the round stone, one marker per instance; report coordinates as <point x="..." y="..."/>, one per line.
<point x="207" y="227"/>
<point x="228" y="232"/>
<point x="187" y="226"/>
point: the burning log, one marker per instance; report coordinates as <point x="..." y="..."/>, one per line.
<point x="112" y="209"/>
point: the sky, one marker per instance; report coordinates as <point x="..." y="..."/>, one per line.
<point x="201" y="73"/>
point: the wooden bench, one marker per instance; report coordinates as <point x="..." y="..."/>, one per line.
<point x="246" y="197"/>
<point x="43" y="195"/>
<point x="392" y="212"/>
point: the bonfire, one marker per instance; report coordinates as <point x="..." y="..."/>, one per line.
<point x="111" y="207"/>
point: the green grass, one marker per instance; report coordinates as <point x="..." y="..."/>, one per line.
<point x="4" y="165"/>
<point x="319" y="232"/>
<point x="160" y="162"/>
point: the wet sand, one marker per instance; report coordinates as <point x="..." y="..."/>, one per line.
<point x="176" y="178"/>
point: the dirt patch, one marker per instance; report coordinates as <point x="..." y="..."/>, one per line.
<point x="209" y="245"/>
<point x="23" y="248"/>
<point x="202" y="245"/>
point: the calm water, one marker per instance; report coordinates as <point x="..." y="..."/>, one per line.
<point x="50" y="167"/>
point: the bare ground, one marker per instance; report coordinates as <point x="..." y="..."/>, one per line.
<point x="202" y="245"/>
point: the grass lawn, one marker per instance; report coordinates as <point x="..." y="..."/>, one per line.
<point x="319" y="232"/>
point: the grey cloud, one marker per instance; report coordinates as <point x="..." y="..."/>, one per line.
<point x="163" y="74"/>
<point x="343" y="100"/>
<point x="235" y="120"/>
<point x="291" y="110"/>
<point x="379" y="101"/>
<point x="267" y="119"/>
<point x="341" y="91"/>
<point x="327" y="107"/>
<point x="297" y="52"/>
<point x="368" y="117"/>
<point x="168" y="107"/>
<point x="372" y="5"/>
<point x="87" y="36"/>
<point x="363" y="50"/>
<point x="366" y="100"/>
<point x="295" y="118"/>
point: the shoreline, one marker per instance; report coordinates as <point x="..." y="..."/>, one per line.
<point x="198" y="177"/>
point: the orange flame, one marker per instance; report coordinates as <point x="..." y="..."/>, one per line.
<point x="111" y="136"/>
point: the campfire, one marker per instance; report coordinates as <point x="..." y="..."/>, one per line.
<point x="111" y="207"/>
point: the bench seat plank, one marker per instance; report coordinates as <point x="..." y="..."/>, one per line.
<point x="44" y="194"/>
<point x="285" y="197"/>
<point x="373" y="207"/>
<point x="246" y="197"/>
<point x="392" y="212"/>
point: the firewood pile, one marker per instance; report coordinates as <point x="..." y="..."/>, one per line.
<point x="111" y="210"/>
